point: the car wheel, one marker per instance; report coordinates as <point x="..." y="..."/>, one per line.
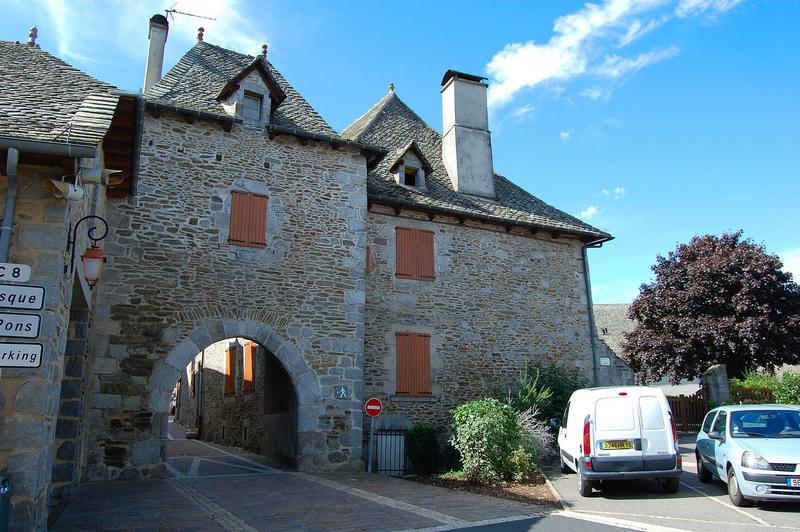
<point x="671" y="485"/>
<point x="565" y="468"/>
<point x="734" y="492"/>
<point x="703" y="474"/>
<point x="584" y="486"/>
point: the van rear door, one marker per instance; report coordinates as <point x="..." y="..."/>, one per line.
<point x="617" y="444"/>
<point x="658" y="446"/>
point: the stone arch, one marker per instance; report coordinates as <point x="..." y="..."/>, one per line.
<point x="304" y="380"/>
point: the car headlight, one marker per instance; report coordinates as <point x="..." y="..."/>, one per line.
<point x="754" y="461"/>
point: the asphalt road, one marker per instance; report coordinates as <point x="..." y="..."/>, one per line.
<point x="696" y="506"/>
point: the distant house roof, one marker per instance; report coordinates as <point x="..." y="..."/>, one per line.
<point x="46" y="100"/>
<point x="611" y="322"/>
<point x="392" y="124"/>
<point x="206" y="71"/>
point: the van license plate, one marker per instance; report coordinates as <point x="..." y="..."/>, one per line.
<point x="616" y="444"/>
<point x="793" y="482"/>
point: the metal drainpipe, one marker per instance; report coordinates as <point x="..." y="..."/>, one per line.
<point x="591" y="313"/>
<point x="12" y="162"/>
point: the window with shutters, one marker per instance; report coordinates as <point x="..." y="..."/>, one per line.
<point x="413" y="364"/>
<point x="230" y="371"/>
<point x="248" y="382"/>
<point x="415" y="254"/>
<point x="248" y="219"/>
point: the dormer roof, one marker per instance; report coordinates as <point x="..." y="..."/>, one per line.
<point x="401" y="152"/>
<point x="258" y="65"/>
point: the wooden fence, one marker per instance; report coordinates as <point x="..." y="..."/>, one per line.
<point x="689" y="411"/>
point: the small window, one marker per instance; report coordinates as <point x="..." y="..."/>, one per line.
<point x="413" y="364"/>
<point x="707" y="421"/>
<point x="415" y="254"/>
<point x="410" y="177"/>
<point x="248" y="220"/>
<point x="230" y="368"/>
<point x="248" y="382"/>
<point x="566" y="416"/>
<point x="251" y="107"/>
<point x="720" y="422"/>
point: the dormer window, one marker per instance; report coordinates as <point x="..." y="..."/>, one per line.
<point x="410" y="177"/>
<point x="251" y="107"/>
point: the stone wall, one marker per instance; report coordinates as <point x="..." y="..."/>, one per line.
<point x="173" y="286"/>
<point x="499" y="298"/>
<point x="31" y="400"/>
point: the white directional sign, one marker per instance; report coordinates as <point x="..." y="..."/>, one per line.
<point x="21" y="297"/>
<point x="19" y="325"/>
<point x="20" y="355"/>
<point x="19" y="273"/>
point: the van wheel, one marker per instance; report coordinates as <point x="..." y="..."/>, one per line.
<point x="671" y="485"/>
<point x="565" y="468"/>
<point x="734" y="492"/>
<point x="703" y="474"/>
<point x="584" y="486"/>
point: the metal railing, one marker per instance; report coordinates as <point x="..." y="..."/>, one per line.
<point x="390" y="452"/>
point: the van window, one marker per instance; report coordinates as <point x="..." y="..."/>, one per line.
<point x="652" y="416"/>
<point x="614" y="413"/>
<point x="707" y="421"/>
<point x="566" y="416"/>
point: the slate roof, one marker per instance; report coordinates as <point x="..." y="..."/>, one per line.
<point x="611" y="322"/>
<point x="195" y="81"/>
<point x="45" y="99"/>
<point x="390" y="123"/>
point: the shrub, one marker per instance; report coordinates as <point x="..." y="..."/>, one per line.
<point x="530" y="392"/>
<point x="422" y="443"/>
<point x="789" y="390"/>
<point x="561" y="380"/>
<point x="486" y="433"/>
<point x="537" y="439"/>
<point x="521" y="463"/>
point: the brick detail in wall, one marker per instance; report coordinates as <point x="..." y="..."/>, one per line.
<point x="415" y="254"/>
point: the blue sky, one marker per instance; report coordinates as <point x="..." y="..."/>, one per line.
<point x="652" y="119"/>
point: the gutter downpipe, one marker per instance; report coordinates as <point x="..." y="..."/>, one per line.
<point x="12" y="163"/>
<point x="588" y="283"/>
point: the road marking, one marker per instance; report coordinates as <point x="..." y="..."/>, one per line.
<point x="726" y="505"/>
<point x="172" y="469"/>
<point x="257" y="470"/>
<point x="194" y="467"/>
<point x="169" y="436"/>
<point x="218" y="514"/>
<point x="633" y="525"/>
<point x="243" y="459"/>
<point x="386" y="501"/>
<point x="666" y="517"/>
<point x="472" y="524"/>
<point x="265" y="473"/>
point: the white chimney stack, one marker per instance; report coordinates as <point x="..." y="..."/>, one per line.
<point x="155" y="55"/>
<point x="467" y="143"/>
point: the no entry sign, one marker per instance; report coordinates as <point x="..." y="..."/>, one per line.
<point x="373" y="407"/>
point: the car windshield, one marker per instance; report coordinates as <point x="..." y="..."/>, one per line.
<point x="765" y="424"/>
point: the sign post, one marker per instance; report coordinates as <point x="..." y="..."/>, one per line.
<point x="373" y="408"/>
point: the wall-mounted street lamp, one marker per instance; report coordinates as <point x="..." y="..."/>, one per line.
<point x="92" y="259"/>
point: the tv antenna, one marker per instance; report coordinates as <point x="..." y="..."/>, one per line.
<point x="171" y="12"/>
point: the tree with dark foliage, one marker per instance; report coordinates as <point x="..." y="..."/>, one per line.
<point x="715" y="300"/>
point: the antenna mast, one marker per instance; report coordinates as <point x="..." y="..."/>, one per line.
<point x="171" y="12"/>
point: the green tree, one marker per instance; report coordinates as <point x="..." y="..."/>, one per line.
<point x="715" y="300"/>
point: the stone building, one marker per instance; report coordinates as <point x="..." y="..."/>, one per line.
<point x="387" y="260"/>
<point x="59" y="130"/>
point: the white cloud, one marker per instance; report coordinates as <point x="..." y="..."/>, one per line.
<point x="523" y="111"/>
<point x="688" y="8"/>
<point x="791" y="262"/>
<point x="619" y="192"/>
<point x="614" y="66"/>
<point x="605" y="192"/>
<point x="594" y="93"/>
<point x="580" y="43"/>
<point x="565" y="136"/>
<point x="589" y="212"/>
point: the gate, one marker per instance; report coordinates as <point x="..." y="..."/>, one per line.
<point x="391" y="452"/>
<point x="689" y="411"/>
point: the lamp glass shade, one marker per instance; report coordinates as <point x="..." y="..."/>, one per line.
<point x="93" y="262"/>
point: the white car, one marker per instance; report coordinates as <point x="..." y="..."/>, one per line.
<point x="754" y="449"/>
<point x="618" y="433"/>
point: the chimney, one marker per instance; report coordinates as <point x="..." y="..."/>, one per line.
<point x="155" y="55"/>
<point x="467" y="143"/>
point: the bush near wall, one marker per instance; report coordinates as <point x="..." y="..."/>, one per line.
<point x="422" y="443"/>
<point x="766" y="388"/>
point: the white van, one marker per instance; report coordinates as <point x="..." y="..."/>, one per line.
<point x="619" y="433"/>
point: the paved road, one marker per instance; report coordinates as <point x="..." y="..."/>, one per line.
<point x="211" y="487"/>
<point x="696" y="506"/>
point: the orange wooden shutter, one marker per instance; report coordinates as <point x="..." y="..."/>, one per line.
<point x="230" y="364"/>
<point x="413" y="364"/>
<point x="249" y="384"/>
<point x="424" y="255"/>
<point x="248" y="225"/>
<point x="404" y="252"/>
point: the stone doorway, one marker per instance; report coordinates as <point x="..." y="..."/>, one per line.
<point x="237" y="393"/>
